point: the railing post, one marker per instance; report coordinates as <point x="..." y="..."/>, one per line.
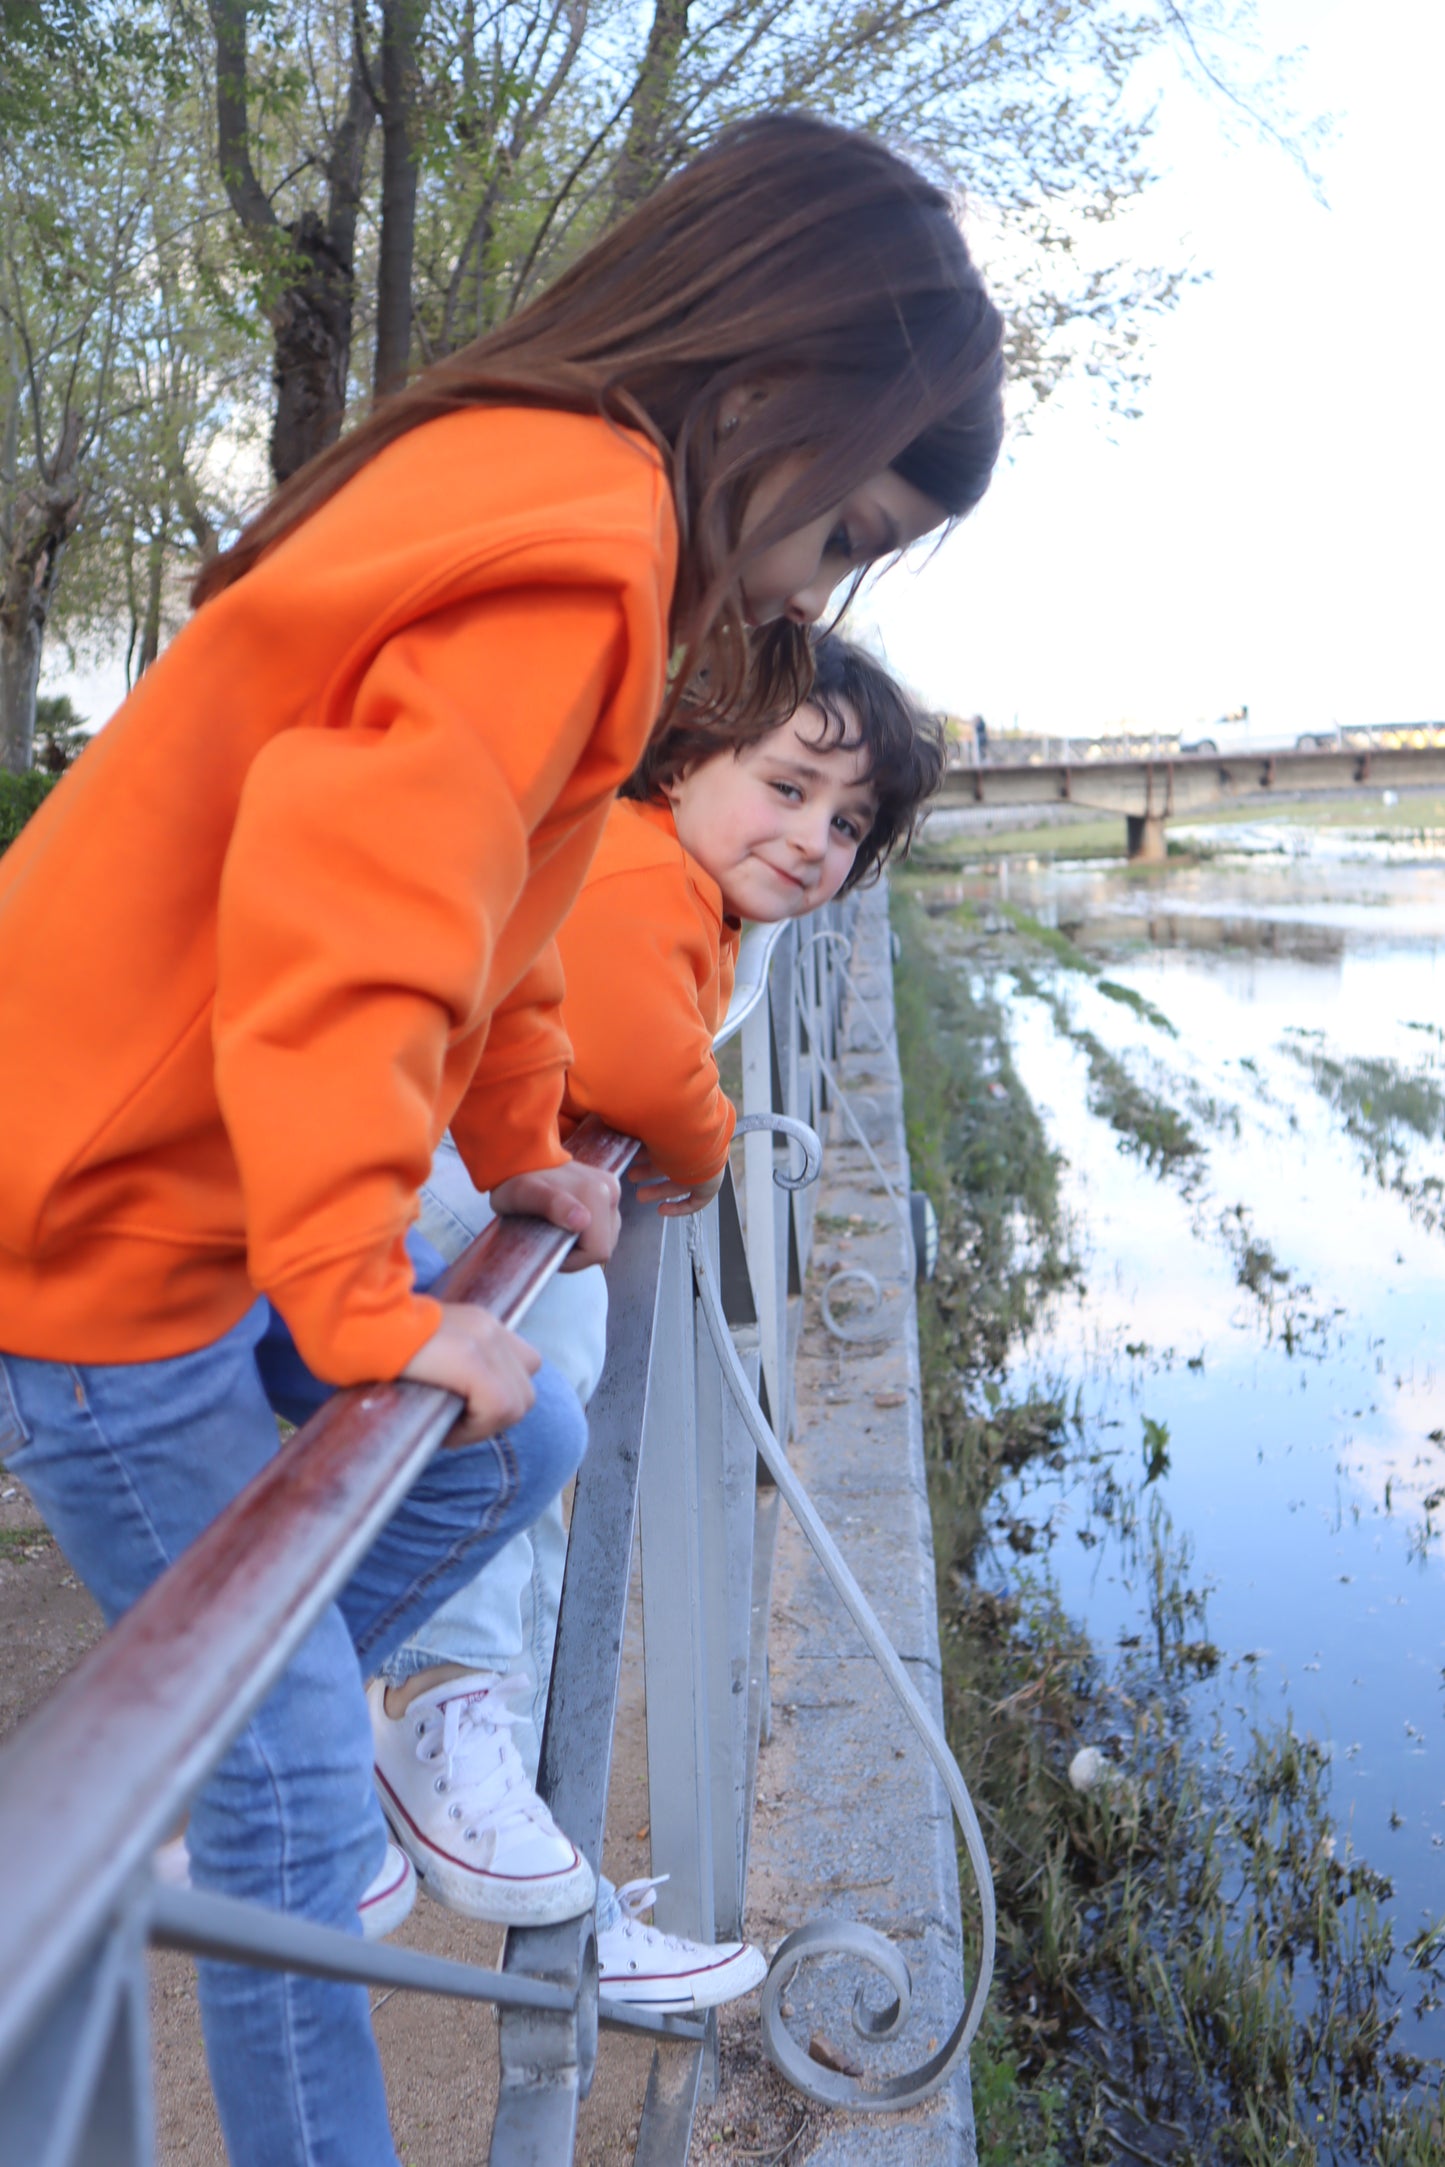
<point x="674" y="1613"/>
<point x="760" y="1201"/>
<point x="81" y="2091"/>
<point x="787" y="1082"/>
<point x="727" y="1489"/>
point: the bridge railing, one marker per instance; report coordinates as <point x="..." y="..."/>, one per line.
<point x="684" y="1439"/>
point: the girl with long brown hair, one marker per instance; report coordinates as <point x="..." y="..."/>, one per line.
<point x="291" y="917"/>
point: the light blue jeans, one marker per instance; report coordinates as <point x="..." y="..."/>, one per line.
<point x="128" y="1463"/>
<point x="506" y="1618"/>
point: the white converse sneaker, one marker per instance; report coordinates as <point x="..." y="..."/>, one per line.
<point x="390" y="1897"/>
<point x="459" y="1803"/>
<point x="637" y="1963"/>
<point x="386" y="1903"/>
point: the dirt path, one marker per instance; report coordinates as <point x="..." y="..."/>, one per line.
<point x="440" y="2057"/>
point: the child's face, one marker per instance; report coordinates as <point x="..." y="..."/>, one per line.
<point x="796" y="577"/>
<point x="778" y="824"/>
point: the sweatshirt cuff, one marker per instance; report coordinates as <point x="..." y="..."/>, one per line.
<point x="515" y="1132"/>
<point x="356" y="1319"/>
<point x="696" y="1167"/>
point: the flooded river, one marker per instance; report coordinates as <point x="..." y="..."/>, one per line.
<point x="1253" y="1353"/>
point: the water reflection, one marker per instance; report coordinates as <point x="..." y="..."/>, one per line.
<point x="1306" y="1409"/>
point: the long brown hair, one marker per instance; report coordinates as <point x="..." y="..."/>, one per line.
<point x="792" y="255"/>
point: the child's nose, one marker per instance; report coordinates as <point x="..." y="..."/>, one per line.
<point x="811" y="832"/>
<point x="807" y="604"/>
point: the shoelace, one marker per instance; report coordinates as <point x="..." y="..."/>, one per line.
<point x="635" y="1897"/>
<point x="475" y="1729"/>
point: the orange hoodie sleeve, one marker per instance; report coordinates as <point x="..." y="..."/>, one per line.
<point x="507" y="1123"/>
<point x="369" y="879"/>
<point x="638" y="951"/>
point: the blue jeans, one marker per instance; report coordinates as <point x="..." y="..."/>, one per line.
<point x="506" y="1619"/>
<point x="128" y="1463"/>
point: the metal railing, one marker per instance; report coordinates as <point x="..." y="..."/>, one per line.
<point x="684" y="1439"/>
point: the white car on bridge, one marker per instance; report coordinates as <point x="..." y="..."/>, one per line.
<point x="1240" y="733"/>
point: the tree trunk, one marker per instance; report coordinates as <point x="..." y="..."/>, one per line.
<point x="150" y="639"/>
<point x="401" y="22"/>
<point x="19" y="679"/>
<point x="43" y="522"/>
<point x="312" y="323"/>
<point x="311" y="318"/>
<point x="642" y="159"/>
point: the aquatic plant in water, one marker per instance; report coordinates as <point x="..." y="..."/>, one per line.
<point x="1195" y="1965"/>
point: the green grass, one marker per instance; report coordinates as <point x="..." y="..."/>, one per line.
<point x="1144" y="1009"/>
<point x="1146" y="1124"/>
<point x="976" y="1145"/>
<point x="1049" y="941"/>
<point x="1377" y="1099"/>
<point x="23" y="1542"/>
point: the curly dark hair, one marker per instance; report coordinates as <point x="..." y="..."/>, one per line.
<point x="861" y="704"/>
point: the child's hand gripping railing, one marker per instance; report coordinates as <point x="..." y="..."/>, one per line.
<point x="100" y="1773"/>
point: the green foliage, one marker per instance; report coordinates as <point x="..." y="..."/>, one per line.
<point x="61" y="732"/>
<point x="148" y="280"/>
<point x="1054" y="944"/>
<point x="1018" y="2123"/>
<point x="1145" y="1123"/>
<point x="1156" y="1449"/>
<point x="1127" y="997"/>
<point x="20" y="795"/>
<point x="117" y="370"/>
<point x="1379" y="1100"/>
<point x="977" y="1146"/>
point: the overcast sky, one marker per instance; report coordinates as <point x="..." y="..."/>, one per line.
<point x="1270" y="531"/>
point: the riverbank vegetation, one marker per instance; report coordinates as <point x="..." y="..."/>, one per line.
<point x="1193" y="1959"/>
<point x="952" y="841"/>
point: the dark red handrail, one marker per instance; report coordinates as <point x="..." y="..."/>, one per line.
<point x="99" y="1774"/>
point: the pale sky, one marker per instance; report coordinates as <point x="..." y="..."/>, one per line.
<point x="1270" y="531"/>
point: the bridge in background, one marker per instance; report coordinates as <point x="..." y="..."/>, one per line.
<point x="1149" y="791"/>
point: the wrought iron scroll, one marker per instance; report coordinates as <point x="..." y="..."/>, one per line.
<point x="830" y="1936"/>
<point x="807" y="1140"/>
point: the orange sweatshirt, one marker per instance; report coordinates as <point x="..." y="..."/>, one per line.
<point x="649" y="959"/>
<point x="253" y="948"/>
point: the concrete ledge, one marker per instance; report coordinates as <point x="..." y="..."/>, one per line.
<point x="852" y="1818"/>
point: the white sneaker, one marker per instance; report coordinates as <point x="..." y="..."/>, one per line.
<point x="388" y="1898"/>
<point x="637" y="1963"/>
<point x="459" y="1803"/>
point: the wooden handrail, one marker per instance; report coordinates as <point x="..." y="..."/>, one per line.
<point x="97" y="1776"/>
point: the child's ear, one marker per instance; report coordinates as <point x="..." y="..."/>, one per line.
<point x="737" y="404"/>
